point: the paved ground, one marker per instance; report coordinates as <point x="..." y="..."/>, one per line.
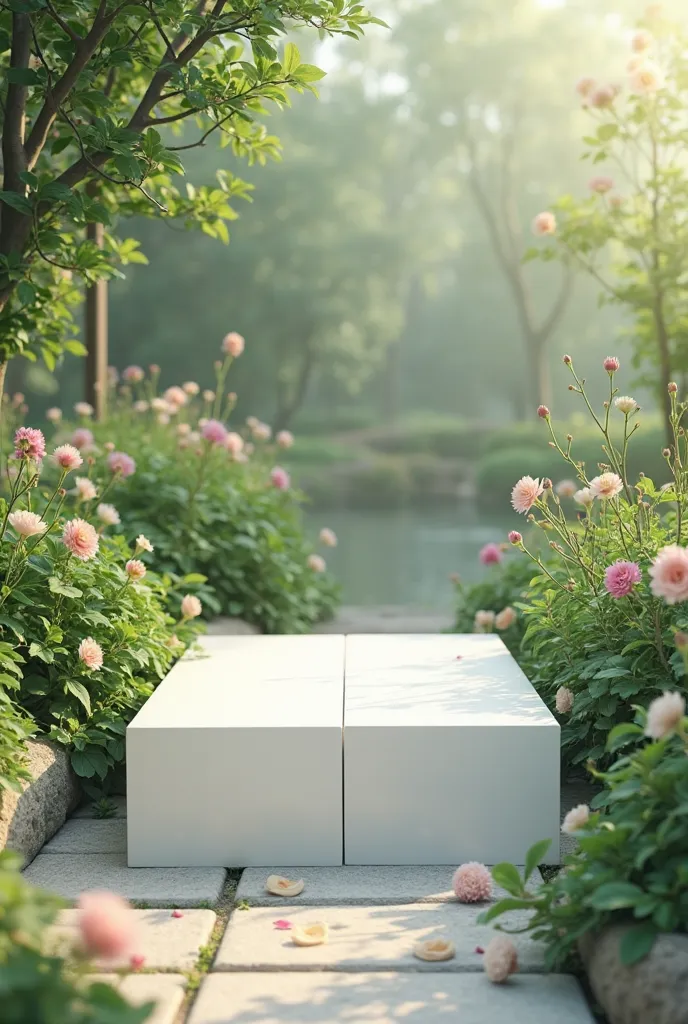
<point x="222" y="960"/>
<point x="386" y="619"/>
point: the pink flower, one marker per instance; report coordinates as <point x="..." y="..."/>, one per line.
<point x="515" y="537"/>
<point x="141" y="405"/>
<point x="280" y="478"/>
<point x="121" y="463"/>
<point x="176" y="397"/>
<point x="525" y="493"/>
<point x="483" y="621"/>
<point x="490" y="554"/>
<point x="602" y="97"/>
<point x="328" y="537"/>
<point x="82" y="438"/>
<point x="505" y="618"/>
<point x="83" y="409"/>
<point x="664" y="715"/>
<point x="544" y="223"/>
<point x="133" y="374"/>
<point x="29" y="443"/>
<point x="67" y="457"/>
<point x="567" y="360"/>
<point x="316" y="563"/>
<point x="53" y="415"/>
<point x="106" y="924"/>
<point x="563" y="700"/>
<point x="543" y="412"/>
<point x="143" y="544"/>
<point x="672" y="387"/>
<point x="81" y="539"/>
<point x="584" y="497"/>
<point x="135" y="569"/>
<point x="669" y="574"/>
<point x="214" y="432"/>
<point x="621" y="577"/>
<point x="234" y="443"/>
<point x="283" y="926"/>
<point x="647" y="79"/>
<point x="641" y="41"/>
<point x="91" y="654"/>
<point x="601" y="184"/>
<point x="611" y="364"/>
<point x="285" y="439"/>
<point x="584" y="86"/>
<point x="108" y="514"/>
<point x="606" y="485"/>
<point x="191" y="387"/>
<point x="576" y="819"/>
<point x="84" y="488"/>
<point x="208" y="396"/>
<point x="262" y="432"/>
<point x="233" y="344"/>
<point x="472" y="883"/>
<point x="191" y="606"/>
<point x="500" y="959"/>
<point x="565" y="488"/>
<point x="27" y="524"/>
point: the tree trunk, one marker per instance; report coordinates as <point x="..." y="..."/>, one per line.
<point x="289" y="405"/>
<point x="96" y="332"/>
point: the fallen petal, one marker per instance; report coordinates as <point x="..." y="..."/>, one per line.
<point x="479" y="949"/>
<point x="136" y="961"/>
<point x="283" y="926"/>
<point x="315" y="934"/>
<point x="435" y="949"/>
<point x="177" y="913"/>
<point x="279" y="886"/>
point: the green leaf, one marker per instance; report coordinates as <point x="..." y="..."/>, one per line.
<point x="508" y="877"/>
<point x="17" y="202"/>
<point x="623" y="734"/>
<point x="58" y="587"/>
<point x="607" y="131"/>
<point x="636" y="943"/>
<point x="90" y="762"/>
<point x="309" y="73"/>
<point x="616" y="896"/>
<point x="535" y="855"/>
<point x="80" y="692"/>
<point x="292" y="58"/>
<point x="23" y="76"/>
<point x="502" y="906"/>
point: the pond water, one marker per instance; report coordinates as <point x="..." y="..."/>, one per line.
<point x="405" y="556"/>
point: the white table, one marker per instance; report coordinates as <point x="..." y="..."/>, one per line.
<point x="447" y="758"/>
<point x="236" y="759"/>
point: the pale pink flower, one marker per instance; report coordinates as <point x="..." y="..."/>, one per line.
<point x="208" y="396"/>
<point x="505" y="618"/>
<point x="669" y="574"/>
<point x="563" y="700"/>
<point x="233" y="344"/>
<point x="107" y="924"/>
<point x="500" y="959"/>
<point x="108" y="514"/>
<point x="328" y="537"/>
<point x="483" y="621"/>
<point x="664" y="715"/>
<point x="515" y="537"/>
<point x="576" y="818"/>
<point x="525" y="493"/>
<point x="109" y="446"/>
<point x="626" y="404"/>
<point x="616" y="202"/>
<point x="647" y="79"/>
<point x="490" y="554"/>
<point x="584" y="87"/>
<point x="67" y="457"/>
<point x="191" y="387"/>
<point x="316" y="563"/>
<point x="133" y="374"/>
<point x="163" y="419"/>
<point x="252" y="421"/>
<point x="280" y="478"/>
<point x="234" y="443"/>
<point x="191" y="606"/>
<point x="53" y="415"/>
<point x="285" y="439"/>
<point x="82" y="438"/>
<point x="544" y="223"/>
<point x="603" y="96"/>
<point x="121" y="464"/>
<point x="29" y="443"/>
<point x="472" y="883"/>
<point x="606" y="485"/>
<point x="135" y="569"/>
<point x="159" y="404"/>
<point x="262" y="432"/>
<point x="183" y="429"/>
<point x="83" y="409"/>
<point x="641" y="41"/>
<point x="584" y="497"/>
<point x="565" y="489"/>
<point x="91" y="654"/>
<point x="141" y="405"/>
<point x="214" y="432"/>
<point x="80" y="538"/>
<point x="143" y="544"/>
<point x="611" y="364"/>
<point x="601" y="184"/>
<point x="176" y="396"/>
<point x="136" y="961"/>
<point x="27" y="524"/>
<point x="621" y="577"/>
<point x="84" y="488"/>
<point x="634" y="63"/>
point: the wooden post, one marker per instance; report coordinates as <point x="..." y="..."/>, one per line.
<point x="96" y="335"/>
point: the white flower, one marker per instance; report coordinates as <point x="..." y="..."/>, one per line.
<point x="108" y="514"/>
<point x="606" y="485"/>
<point x="584" y="497"/>
<point x="27" y="524"/>
<point x="664" y="715"/>
<point x="626" y="404"/>
<point x="576" y="819"/>
<point x="143" y="544"/>
<point x="85" y="489"/>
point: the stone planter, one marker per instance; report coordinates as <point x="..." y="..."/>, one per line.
<point x="30" y="818"/>
<point x="654" y="991"/>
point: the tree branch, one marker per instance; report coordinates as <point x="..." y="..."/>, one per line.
<point x="15" y="225"/>
<point x="66" y="28"/>
<point x="559" y="304"/>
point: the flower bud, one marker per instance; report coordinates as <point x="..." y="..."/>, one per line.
<point x="515" y="537"/>
<point x="666" y="452"/>
<point x="543" y="412"/>
<point x="611" y="364"/>
<point x="672" y="387"/>
<point x="547" y="483"/>
<point x="567" y="360"/>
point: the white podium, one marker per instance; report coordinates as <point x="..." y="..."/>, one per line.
<point x="449" y="753"/>
<point x="236" y="759"/>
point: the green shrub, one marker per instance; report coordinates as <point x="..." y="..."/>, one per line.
<point x="15" y="729"/>
<point x="446" y="437"/>
<point x="505" y="586"/>
<point x="631" y="864"/>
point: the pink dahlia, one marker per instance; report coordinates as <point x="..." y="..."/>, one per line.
<point x="122" y="464"/>
<point x="176" y="397"/>
<point x="29" y="443"/>
<point x="67" y="457"/>
<point x="82" y="438"/>
<point x="27" y="524"/>
<point x="234" y="443"/>
<point x="563" y="700"/>
<point x="565" y="489"/>
<point x="505" y="618"/>
<point x="214" y="432"/>
<point x="84" y="488"/>
<point x="472" y="883"/>
<point x="669" y="574"/>
<point x="606" y="485"/>
<point x="80" y="538"/>
<point x="500" y="959"/>
<point x="135" y="569"/>
<point x="621" y="577"/>
<point x="665" y="715"/>
<point x="106" y="924"/>
<point x="280" y="478"/>
<point x="490" y="554"/>
<point x="108" y="514"/>
<point x="133" y="374"/>
<point x="233" y="344"/>
<point x="191" y="606"/>
<point x="525" y="493"/>
<point x="91" y="654"/>
<point x="544" y="223"/>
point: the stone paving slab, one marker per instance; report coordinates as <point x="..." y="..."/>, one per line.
<point x="89" y="835"/>
<point x="86" y="810"/>
<point x="166" y="990"/>
<point x="68" y="875"/>
<point x="364" y="886"/>
<point x="385" y="619"/>
<point x="164" y="941"/>
<point x="366" y="939"/>
<point x="388" y="999"/>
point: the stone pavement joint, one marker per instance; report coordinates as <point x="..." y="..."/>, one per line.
<point x="166" y="990"/>
<point x="69" y="875"/>
<point x="358" y="886"/>
<point x="89" y="835"/>
<point x="367" y="939"/>
<point x="388" y="998"/>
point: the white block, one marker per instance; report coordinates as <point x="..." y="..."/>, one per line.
<point x="449" y="753"/>
<point x="236" y="759"/>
